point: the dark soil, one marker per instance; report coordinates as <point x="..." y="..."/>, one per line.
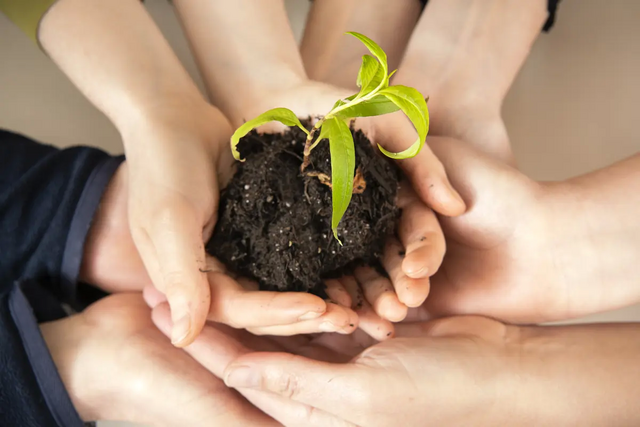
<point x="274" y="222"/>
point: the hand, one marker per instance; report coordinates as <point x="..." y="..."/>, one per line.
<point x="217" y="346"/>
<point x="111" y="261"/>
<point x="419" y="251"/>
<point x="455" y="371"/>
<point x="117" y="366"/>
<point x="527" y="252"/>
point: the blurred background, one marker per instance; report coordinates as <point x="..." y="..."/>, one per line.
<point x="574" y="107"/>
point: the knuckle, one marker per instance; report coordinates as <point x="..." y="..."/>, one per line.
<point x="287" y="385"/>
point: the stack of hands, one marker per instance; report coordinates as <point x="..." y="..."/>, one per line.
<point x="481" y="243"/>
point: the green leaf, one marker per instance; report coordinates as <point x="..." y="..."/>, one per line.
<point x="373" y="48"/>
<point x="413" y="104"/>
<point x="376" y="106"/>
<point x="370" y="76"/>
<point x="343" y="164"/>
<point x="282" y="115"/>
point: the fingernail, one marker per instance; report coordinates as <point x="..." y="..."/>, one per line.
<point x="456" y="195"/>
<point x="180" y="330"/>
<point x="243" y="377"/>
<point x="327" y="327"/>
<point x="310" y="315"/>
<point x="417" y="274"/>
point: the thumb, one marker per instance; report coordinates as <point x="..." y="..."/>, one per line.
<point x="338" y="389"/>
<point x="172" y="249"/>
<point x="426" y="173"/>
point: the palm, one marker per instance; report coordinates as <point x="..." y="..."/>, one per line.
<point x="498" y="262"/>
<point x="153" y="382"/>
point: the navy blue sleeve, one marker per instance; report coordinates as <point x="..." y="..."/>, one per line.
<point x="48" y="198"/>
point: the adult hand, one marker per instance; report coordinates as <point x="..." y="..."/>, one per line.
<point x="456" y="371"/>
<point x="219" y="345"/>
<point x="116" y="365"/>
<point x="528" y="252"/>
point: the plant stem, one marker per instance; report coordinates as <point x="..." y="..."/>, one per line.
<point x="307" y="145"/>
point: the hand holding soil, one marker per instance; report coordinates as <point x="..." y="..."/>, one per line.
<point x="278" y="210"/>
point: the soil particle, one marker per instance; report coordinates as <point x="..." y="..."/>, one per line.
<point x="274" y="222"/>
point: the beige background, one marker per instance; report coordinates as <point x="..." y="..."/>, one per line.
<point x="575" y="106"/>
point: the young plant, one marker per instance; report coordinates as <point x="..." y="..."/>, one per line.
<point x="375" y="98"/>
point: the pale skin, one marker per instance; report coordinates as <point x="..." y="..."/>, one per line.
<point x="178" y="156"/>
<point x="111" y="262"/>
<point x="561" y="239"/>
<point x="452" y="371"/>
<point x="260" y="68"/>
<point x="501" y="261"/>
<point x="462" y="54"/>
<point x="512" y="379"/>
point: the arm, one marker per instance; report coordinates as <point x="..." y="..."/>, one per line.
<point x="47" y="200"/>
<point x="459" y="371"/>
<point x="330" y="57"/>
<point x="595" y="236"/>
<point x="175" y="142"/>
<point x="465" y="55"/>
<point x="245" y="51"/>
<point x="462" y="54"/>
<point x="532" y="252"/>
<point x="137" y="382"/>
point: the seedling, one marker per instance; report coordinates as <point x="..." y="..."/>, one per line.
<point x="375" y="98"/>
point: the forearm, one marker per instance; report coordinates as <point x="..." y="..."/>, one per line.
<point x="473" y="49"/>
<point x="595" y="236"/>
<point x="245" y="50"/>
<point x="118" y="58"/>
<point x="578" y="375"/>
<point x="464" y="56"/>
<point x="332" y="58"/>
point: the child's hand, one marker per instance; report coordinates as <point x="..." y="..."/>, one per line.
<point x="239" y="304"/>
<point x="410" y="260"/>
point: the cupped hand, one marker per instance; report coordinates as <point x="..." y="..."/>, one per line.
<point x="418" y="251"/>
<point x="112" y="262"/>
<point x="116" y="365"/>
<point x="174" y="170"/>
<point x="501" y="258"/>
<point x="448" y="372"/>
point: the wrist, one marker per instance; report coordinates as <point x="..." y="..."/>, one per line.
<point x="110" y="259"/>
<point x="65" y="339"/>
<point x="565" y="372"/>
<point x="174" y="121"/>
<point x="586" y="250"/>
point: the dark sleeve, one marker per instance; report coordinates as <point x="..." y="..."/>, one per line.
<point x="47" y="200"/>
<point x="552" y="7"/>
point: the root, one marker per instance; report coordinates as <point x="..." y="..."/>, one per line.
<point x="359" y="184"/>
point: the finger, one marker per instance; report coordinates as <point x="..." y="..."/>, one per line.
<point x="425" y="171"/>
<point x="339" y="389"/>
<point x="376" y="327"/>
<point x="233" y="305"/>
<point x="152" y="296"/>
<point x="421" y="235"/>
<point x="379" y="291"/>
<point x="411" y="292"/>
<point x="336" y="291"/>
<point x="428" y="177"/>
<point x="214" y="350"/>
<point x="336" y="319"/>
<point x="178" y="251"/>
